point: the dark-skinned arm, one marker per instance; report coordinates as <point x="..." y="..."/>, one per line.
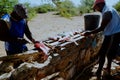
<point x="105" y="21"/>
<point x="106" y="18"/>
<point x="29" y="34"/>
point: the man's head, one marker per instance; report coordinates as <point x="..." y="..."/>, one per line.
<point x="20" y="10"/>
<point x="98" y="5"/>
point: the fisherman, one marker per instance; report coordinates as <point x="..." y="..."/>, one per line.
<point x="110" y="26"/>
<point x="15" y="26"/>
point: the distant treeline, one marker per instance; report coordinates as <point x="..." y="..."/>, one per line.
<point x="64" y="8"/>
<point x="117" y="6"/>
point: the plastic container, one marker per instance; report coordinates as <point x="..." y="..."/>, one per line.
<point x="91" y="21"/>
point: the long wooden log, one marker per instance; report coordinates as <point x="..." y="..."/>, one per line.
<point x="64" y="61"/>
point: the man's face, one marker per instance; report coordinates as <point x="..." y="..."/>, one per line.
<point x="24" y="13"/>
<point x="21" y="10"/>
<point x="97" y="8"/>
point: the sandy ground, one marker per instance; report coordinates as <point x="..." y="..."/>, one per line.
<point x="48" y="25"/>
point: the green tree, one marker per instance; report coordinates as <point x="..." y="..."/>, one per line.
<point x="6" y="6"/>
<point x="45" y="8"/>
<point x="86" y="6"/>
<point x="65" y="8"/>
<point x="31" y="10"/>
<point x="117" y="6"/>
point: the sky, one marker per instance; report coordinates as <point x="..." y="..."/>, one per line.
<point x="76" y="2"/>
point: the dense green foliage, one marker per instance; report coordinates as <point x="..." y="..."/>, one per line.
<point x="31" y="11"/>
<point x="86" y="6"/>
<point x="65" y="8"/>
<point x="6" y="6"/>
<point x="117" y="6"/>
<point x="45" y="8"/>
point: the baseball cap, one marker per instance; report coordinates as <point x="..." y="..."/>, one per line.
<point x="97" y="2"/>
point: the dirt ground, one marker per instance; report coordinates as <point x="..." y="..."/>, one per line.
<point x="48" y="25"/>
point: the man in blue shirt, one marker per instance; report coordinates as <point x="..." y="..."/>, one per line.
<point x="110" y="26"/>
<point x="17" y="25"/>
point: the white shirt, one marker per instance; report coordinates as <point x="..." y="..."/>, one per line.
<point x="114" y="25"/>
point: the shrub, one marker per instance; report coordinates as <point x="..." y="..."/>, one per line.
<point x="66" y="8"/>
<point x="45" y="8"/>
<point x="6" y="6"/>
<point x="86" y="6"/>
<point x="117" y="6"/>
<point x="31" y="11"/>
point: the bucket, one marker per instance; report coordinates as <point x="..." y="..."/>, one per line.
<point x="91" y="21"/>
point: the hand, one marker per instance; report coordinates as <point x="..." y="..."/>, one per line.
<point x="22" y="41"/>
<point x="37" y="44"/>
<point x="86" y="33"/>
